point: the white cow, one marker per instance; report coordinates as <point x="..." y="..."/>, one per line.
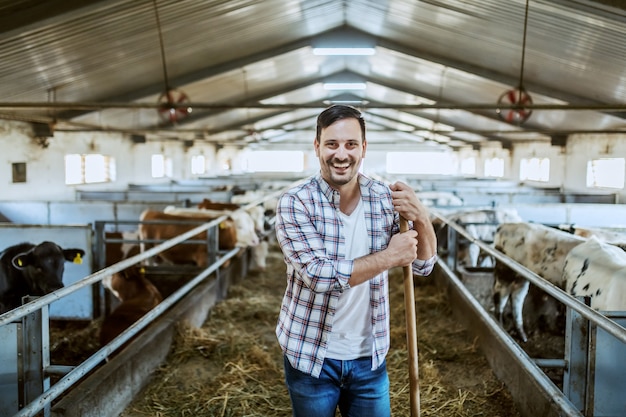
<point x="598" y="270"/>
<point x="539" y="248"/>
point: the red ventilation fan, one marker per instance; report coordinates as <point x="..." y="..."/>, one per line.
<point x="173" y="106"/>
<point x="518" y="99"/>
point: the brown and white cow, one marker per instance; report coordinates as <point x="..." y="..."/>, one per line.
<point x="193" y="253"/>
<point x="540" y="249"/>
<point x="137" y="296"/>
<point x="250" y="223"/>
<point x="597" y="270"/>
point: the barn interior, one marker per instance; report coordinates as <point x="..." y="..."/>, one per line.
<point x="129" y="79"/>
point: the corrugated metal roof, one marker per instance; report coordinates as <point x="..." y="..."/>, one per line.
<point x="247" y="67"/>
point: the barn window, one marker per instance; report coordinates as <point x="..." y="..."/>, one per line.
<point x="606" y="172"/>
<point x="89" y="169"/>
<point x="162" y="166"/>
<point x="494" y="167"/>
<point x="198" y="164"/>
<point x="275" y="161"/>
<point x="468" y="166"/>
<point x="19" y="172"/>
<point x="442" y="163"/>
<point x="534" y="169"/>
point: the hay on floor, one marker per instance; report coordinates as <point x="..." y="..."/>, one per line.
<point x="232" y="366"/>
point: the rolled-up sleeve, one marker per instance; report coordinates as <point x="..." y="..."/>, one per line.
<point x="424" y="268"/>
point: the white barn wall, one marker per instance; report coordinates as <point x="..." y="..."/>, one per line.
<point x="46" y="171"/>
<point x="45" y="168"/>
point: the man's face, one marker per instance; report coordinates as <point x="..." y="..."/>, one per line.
<point x="341" y="150"/>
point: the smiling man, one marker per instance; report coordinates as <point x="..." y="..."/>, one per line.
<point x="339" y="232"/>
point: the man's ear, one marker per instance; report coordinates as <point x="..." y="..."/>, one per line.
<point x="316" y="146"/>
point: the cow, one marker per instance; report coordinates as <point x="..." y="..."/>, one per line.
<point x="480" y="224"/>
<point x="539" y="248"/>
<point x="255" y="237"/>
<point x="195" y="253"/>
<point x="597" y="270"/>
<point x="32" y="269"/>
<point x="246" y="227"/>
<point x="257" y="212"/>
<point x="137" y="296"/>
<point x="207" y="204"/>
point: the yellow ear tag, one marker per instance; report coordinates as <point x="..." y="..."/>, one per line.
<point x="78" y="259"/>
<point x="19" y="262"/>
<point x="222" y="226"/>
<point x="142" y="271"/>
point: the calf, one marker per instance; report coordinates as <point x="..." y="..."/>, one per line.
<point x="539" y="248"/>
<point x="29" y="269"/>
<point x="137" y="296"/>
<point x="597" y="270"/>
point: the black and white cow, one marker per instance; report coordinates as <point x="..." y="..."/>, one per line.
<point x="539" y="248"/>
<point x="29" y="269"/>
<point x="597" y="270"/>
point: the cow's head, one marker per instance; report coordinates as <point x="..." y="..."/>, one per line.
<point x="43" y="266"/>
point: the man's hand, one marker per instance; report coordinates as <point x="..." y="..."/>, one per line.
<point x="406" y="203"/>
<point x="403" y="248"/>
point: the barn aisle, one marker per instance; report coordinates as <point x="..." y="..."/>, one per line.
<point x="232" y="366"/>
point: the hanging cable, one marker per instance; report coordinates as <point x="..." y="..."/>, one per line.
<point x="521" y="75"/>
<point x="158" y="21"/>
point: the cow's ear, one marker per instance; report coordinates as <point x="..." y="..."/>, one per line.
<point x="74" y="255"/>
<point x="21" y="261"/>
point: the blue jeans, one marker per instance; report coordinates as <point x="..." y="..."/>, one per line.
<point x="351" y="385"/>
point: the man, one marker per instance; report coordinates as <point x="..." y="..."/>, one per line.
<point x="339" y="233"/>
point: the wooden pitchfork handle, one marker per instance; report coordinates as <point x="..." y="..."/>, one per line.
<point x="411" y="331"/>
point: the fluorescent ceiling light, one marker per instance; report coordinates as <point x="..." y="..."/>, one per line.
<point x="354" y="102"/>
<point x="344" y="86"/>
<point x="344" y="51"/>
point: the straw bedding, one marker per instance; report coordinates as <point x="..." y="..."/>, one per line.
<point x="232" y="366"/>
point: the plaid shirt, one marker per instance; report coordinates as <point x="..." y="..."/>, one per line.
<point x="310" y="233"/>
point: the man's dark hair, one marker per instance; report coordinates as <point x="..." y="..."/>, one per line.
<point x="338" y="112"/>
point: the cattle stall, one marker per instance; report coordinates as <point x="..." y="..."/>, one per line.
<point x="29" y="325"/>
<point x="208" y="285"/>
<point x="592" y="374"/>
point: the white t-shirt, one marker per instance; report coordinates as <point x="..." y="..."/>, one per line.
<point x="351" y="335"/>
